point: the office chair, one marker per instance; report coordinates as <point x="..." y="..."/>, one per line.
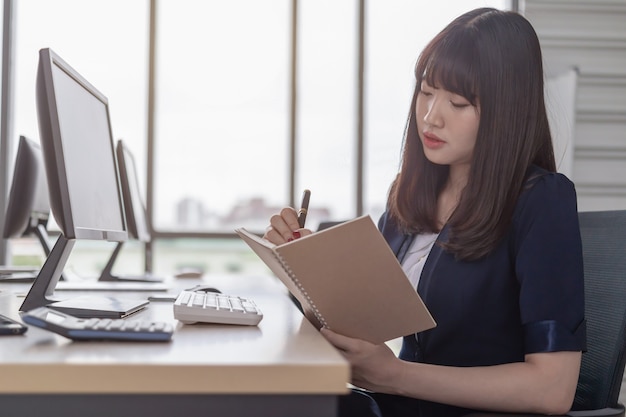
<point x="604" y="255"/>
<point x="329" y="223"/>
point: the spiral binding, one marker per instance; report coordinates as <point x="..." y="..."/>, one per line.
<point x="296" y="281"/>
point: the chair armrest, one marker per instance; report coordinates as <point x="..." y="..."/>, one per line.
<point x="603" y="412"/>
<point x="494" y="414"/>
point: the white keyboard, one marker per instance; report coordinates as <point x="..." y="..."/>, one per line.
<point x="210" y="307"/>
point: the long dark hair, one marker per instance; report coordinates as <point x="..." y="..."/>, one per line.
<point x="490" y="57"/>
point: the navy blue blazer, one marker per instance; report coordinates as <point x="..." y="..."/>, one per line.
<point x="527" y="296"/>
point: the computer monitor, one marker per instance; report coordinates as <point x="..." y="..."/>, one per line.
<point x="83" y="182"/>
<point x="136" y="218"/>
<point x="28" y="207"/>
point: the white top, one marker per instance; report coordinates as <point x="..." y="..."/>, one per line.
<point x="416" y="256"/>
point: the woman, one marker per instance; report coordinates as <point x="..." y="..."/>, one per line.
<point x="485" y="229"/>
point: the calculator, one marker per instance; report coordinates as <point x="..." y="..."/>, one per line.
<point x="76" y="328"/>
<point x="9" y="326"/>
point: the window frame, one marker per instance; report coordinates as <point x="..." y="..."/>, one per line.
<point x="6" y="118"/>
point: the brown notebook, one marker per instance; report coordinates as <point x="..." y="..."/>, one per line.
<point x="347" y="279"/>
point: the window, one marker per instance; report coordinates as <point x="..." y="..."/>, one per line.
<point x="326" y="107"/>
<point x="107" y="42"/>
<point x="223" y="99"/>
<point x="222" y="112"/>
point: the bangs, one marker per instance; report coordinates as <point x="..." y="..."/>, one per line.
<point x="450" y="64"/>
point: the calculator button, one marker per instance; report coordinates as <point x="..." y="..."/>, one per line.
<point x="116" y="325"/>
<point x="90" y="323"/>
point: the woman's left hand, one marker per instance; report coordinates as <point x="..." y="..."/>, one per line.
<point x="374" y="367"/>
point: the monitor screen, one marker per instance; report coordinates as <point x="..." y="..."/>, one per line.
<point x="28" y="205"/>
<point x="77" y="143"/>
<point x="136" y="218"/>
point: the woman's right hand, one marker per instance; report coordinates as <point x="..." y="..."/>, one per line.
<point x="284" y="227"/>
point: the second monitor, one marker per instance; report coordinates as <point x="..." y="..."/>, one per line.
<point x="28" y="208"/>
<point x="136" y="219"/>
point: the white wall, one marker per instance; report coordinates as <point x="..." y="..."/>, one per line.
<point x="590" y="35"/>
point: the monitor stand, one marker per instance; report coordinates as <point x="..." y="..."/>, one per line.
<point x="42" y="291"/>
<point x="107" y="274"/>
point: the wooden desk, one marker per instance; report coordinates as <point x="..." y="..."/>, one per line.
<point x="283" y="367"/>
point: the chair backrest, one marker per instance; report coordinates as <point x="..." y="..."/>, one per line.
<point x="329" y="223"/>
<point x="604" y="255"/>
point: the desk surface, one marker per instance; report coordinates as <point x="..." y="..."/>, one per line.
<point x="285" y="354"/>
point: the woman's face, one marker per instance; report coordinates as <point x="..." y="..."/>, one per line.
<point x="447" y="125"/>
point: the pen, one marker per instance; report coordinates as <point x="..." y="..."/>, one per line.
<point x="304" y="207"/>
